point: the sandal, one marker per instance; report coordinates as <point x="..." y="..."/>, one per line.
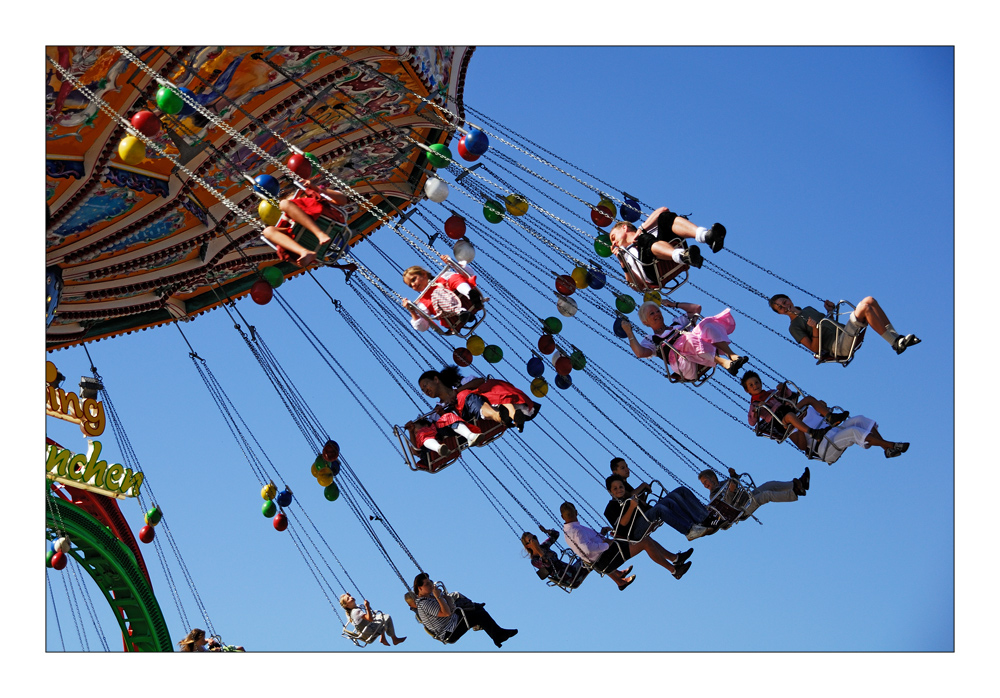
<point x="624" y="585"/>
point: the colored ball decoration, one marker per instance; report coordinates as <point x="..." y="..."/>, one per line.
<point x="602" y="245"/>
<point x="269" y="509"/>
<point x="579" y="277"/>
<point x="261" y="292"/>
<point x="300" y="165"/>
<point x="566" y="306"/>
<point x="475" y="344"/>
<point x="563" y="382"/>
<point x="131" y="150"/>
<point x="335" y="466"/>
<point x="313" y="160"/>
<point x="552" y="325"/>
<point x="440" y="155"/>
<point x="630" y="210"/>
<point x="331" y="451"/>
<point x="331" y="492"/>
<point x="546" y="344"/>
<point x="146" y="123"/>
<point x="168" y="101"/>
<point x="565" y="285"/>
<point x="601" y="216"/>
<point x="617" y="328"/>
<point x="564" y="365"/>
<point x="153" y="516"/>
<point x="59" y="560"/>
<point x="318" y="466"/>
<point x="476" y="142"/>
<point x="461" y="356"/>
<point x="48" y="557"/>
<point x="493" y="211"/>
<point x="652" y="296"/>
<point x="516" y="205"/>
<point x="539" y="387"/>
<point x="536" y="367"/>
<point x="280" y="521"/>
<point x="284" y="498"/>
<point x="186" y="109"/>
<point x="596" y="279"/>
<point x="61" y="545"/>
<point x="625" y="303"/>
<point x="493" y="353"/>
<point x="147" y="533"/>
<point x="325" y="477"/>
<point x="463" y="251"/>
<point x="464" y="152"/>
<point x="266" y="184"/>
<point x="268" y="491"/>
<point x="273" y="276"/>
<point x="436" y="189"/>
<point x="454" y="227"/>
<point x="578" y="359"/>
<point x="268" y="212"/>
<point x="607" y="203"/>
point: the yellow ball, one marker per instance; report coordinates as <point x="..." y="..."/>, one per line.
<point x="654" y="296"/>
<point x="131" y="150"/>
<point x="539" y="387"/>
<point x="268" y="212"/>
<point x="516" y="205"/>
<point x="610" y="205"/>
<point x="475" y="345"/>
<point x="325" y="477"/>
<point x="269" y="491"/>
<point x="580" y="277"/>
<point x="316" y="469"/>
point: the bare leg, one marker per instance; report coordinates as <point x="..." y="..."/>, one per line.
<point x="491" y="413"/>
<point x="870" y="312"/>
<point x="875" y="439"/>
<point x="817" y="405"/>
<point x="656" y="552"/>
<point x="662" y="249"/>
<point x="304" y="219"/>
<point x="684" y="228"/>
<point x="792" y="418"/>
<point x="305" y="257"/>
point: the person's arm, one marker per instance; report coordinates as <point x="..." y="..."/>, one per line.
<point x="629" y="509"/>
<point x="637" y="348"/>
<point x="830" y="306"/>
<point x="689" y="308"/>
<point x="473" y="384"/>
<point x="443" y="611"/>
<point x="368" y="611"/>
<point x="553" y="535"/>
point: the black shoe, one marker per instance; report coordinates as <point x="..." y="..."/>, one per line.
<point x="445" y="451"/>
<point x="818" y="434"/>
<point x="682" y="557"/>
<point x="692" y="257"/>
<point x="625" y="584"/>
<point x="798" y="488"/>
<point x="897" y="449"/>
<point x="538" y="408"/>
<point x="505" y="635"/>
<point x="804" y="479"/>
<point x="626" y="571"/>
<point x="519" y="420"/>
<point x="902" y="342"/>
<point x="680" y="570"/>
<point x="716" y="236"/>
<point x="835" y="418"/>
<point x="505" y="419"/>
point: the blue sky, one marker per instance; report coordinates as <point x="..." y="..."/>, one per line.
<point x="833" y="167"/>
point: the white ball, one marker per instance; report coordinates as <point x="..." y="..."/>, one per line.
<point x="436" y="189"/>
<point x="566" y="306"/>
<point x="61" y="544"/>
<point x="463" y="251"/>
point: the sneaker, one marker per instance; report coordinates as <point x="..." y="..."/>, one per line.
<point x="445" y="451"/>
<point x="697" y="531"/>
<point x="681" y="570"/>
<point x="716" y="236"/>
<point x="835" y="418"/>
<point x="897" y="449"/>
<point x="682" y="557"/>
<point x="902" y="342"/>
<point x="804" y="479"/>
<point x="473" y="439"/>
<point x="692" y="257"/>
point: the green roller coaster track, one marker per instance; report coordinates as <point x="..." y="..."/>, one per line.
<point x="113" y="567"/>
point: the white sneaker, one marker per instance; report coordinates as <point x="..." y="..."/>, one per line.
<point x="471" y="440"/>
<point x="697" y="531"/>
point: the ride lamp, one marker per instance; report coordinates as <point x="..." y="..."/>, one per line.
<point x="89" y="387"/>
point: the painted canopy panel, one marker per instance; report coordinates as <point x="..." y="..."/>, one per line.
<point x="141" y="245"/>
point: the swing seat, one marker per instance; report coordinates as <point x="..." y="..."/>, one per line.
<point x="364" y="637"/>
<point x="666" y="347"/>
<point x="640" y="515"/>
<point x="728" y="508"/>
<point x="572" y="575"/>
<point x="334" y="225"/>
<point x="768" y="424"/>
<point x="667" y="274"/>
<point x="832" y="325"/>
<point x="455" y="321"/>
<point x="424" y="460"/>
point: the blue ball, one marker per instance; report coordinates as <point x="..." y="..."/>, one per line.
<point x="536" y="367"/>
<point x="187" y="109"/>
<point x="563" y="382"/>
<point x="619" y="332"/>
<point x="267" y="184"/>
<point x="596" y="279"/>
<point x="630" y="210"/>
<point x="476" y="142"/>
<point x="284" y="498"/>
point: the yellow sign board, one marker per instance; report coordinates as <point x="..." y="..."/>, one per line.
<point x="89" y="413"/>
<point x="90" y="473"/>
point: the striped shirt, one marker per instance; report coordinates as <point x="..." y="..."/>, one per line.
<point x="427" y="614"/>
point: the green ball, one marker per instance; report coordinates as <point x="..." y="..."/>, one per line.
<point x="493" y="353"/>
<point x="312" y="158"/>
<point x="269" y="509"/>
<point x="578" y="360"/>
<point x="48" y="558"/>
<point x="553" y="325"/>
<point x="168" y="101"/>
<point x="493" y="211"/>
<point x="625" y="303"/>
<point x="273" y="276"/>
<point x="602" y="245"/>
<point x="441" y="155"/>
<point x="331" y="492"/>
<point x="153" y="516"/>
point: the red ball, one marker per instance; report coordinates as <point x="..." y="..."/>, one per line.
<point x="300" y="166"/>
<point x="261" y="292"/>
<point x="146" y="534"/>
<point x="146" y="123"/>
<point x="565" y="284"/>
<point x="454" y="227"/>
<point x="601" y="216"/>
<point x="464" y="152"/>
<point x="546" y="344"/>
<point x="59" y="560"/>
<point x="564" y="365"/>
<point x="280" y="521"/>
<point x="462" y="356"/>
<point x="331" y="451"/>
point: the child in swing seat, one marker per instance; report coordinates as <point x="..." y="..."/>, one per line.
<point x="303" y="209"/>
<point x="428" y="435"/>
<point x="443" y="300"/>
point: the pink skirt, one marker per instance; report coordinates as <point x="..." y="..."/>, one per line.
<point x="696" y="348"/>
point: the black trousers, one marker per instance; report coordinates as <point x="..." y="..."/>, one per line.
<point x="476" y="616"/>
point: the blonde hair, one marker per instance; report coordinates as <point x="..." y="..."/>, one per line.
<point x="645" y="309"/>
<point x="415" y="270"/>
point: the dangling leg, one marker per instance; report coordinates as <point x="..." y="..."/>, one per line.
<point x="289" y="208"/>
<point x="462" y="429"/>
<point x="281" y="239"/>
